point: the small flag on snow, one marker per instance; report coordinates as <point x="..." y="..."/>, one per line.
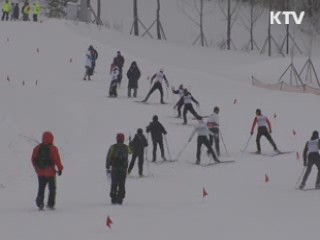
<point x="8" y="78"/>
<point x="235" y="101"/>
<point x="274" y="115"/>
<point x="70" y="60"/>
<point x="298" y="156"/>
<point x="204" y="192"/>
<point x="23" y="83"/>
<point x="109" y="222"/>
<point x="37" y="49"/>
<point x="266" y="178"/>
<point x="294" y="132"/>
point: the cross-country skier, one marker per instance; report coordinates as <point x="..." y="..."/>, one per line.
<point x="187" y="101"/>
<point x="138" y="144"/>
<point x="179" y="104"/>
<point x="114" y="82"/>
<point x="262" y="122"/>
<point x="119" y="62"/>
<point x="117" y="165"/>
<point x="157" y="130"/>
<point x="88" y="66"/>
<point x="94" y="57"/>
<point x="202" y="130"/>
<point x="213" y="125"/>
<point x="310" y="157"/>
<point x="159" y="77"/>
<point x="45" y="159"/>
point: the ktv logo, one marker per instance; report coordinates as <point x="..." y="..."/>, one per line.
<point x="288" y="16"/>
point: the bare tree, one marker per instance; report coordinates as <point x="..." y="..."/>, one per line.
<point x="195" y="10"/>
<point x="249" y="22"/>
<point x="231" y="14"/>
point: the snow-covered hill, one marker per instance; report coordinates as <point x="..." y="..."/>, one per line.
<point x="84" y="121"/>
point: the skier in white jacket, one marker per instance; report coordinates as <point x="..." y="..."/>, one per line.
<point x="203" y="133"/>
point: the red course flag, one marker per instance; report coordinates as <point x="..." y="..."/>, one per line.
<point x="8" y="78"/>
<point x="266" y="178"/>
<point x="204" y="192"/>
<point x="274" y="115"/>
<point x="294" y="132"/>
<point x="109" y="222"/>
<point x="235" y="101"/>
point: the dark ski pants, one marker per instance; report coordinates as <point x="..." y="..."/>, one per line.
<point x="179" y="105"/>
<point x="263" y="131"/>
<point x="120" y="76"/>
<point x="156" y="86"/>
<point x="204" y="140"/>
<point x="313" y="158"/>
<point x="189" y="108"/>
<point x="216" y="139"/>
<point x="140" y="162"/>
<point x="135" y="90"/>
<point x="42" y="183"/>
<point x="87" y="73"/>
<point x="154" y="152"/>
<point x="5" y="16"/>
<point x="35" y="17"/>
<point x="118" y="189"/>
<point x="113" y="89"/>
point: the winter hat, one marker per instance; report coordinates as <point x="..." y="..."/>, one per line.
<point x="139" y="131"/>
<point x="120" y="137"/>
<point x="315" y="135"/>
<point x="216" y="109"/>
<point x="155" y="118"/>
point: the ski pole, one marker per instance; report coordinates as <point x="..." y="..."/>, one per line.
<point x="165" y="139"/>
<point x="223" y="143"/>
<point x="182" y="150"/>
<point x="301" y="174"/>
<point x="146" y="152"/>
<point x="245" y="148"/>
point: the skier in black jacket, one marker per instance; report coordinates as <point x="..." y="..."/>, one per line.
<point x="138" y="144"/>
<point x="133" y="75"/>
<point x="311" y="156"/>
<point x="156" y="129"/>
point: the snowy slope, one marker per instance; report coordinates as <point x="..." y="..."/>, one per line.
<point x="168" y="205"/>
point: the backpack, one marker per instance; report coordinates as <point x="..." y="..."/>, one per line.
<point x="43" y="160"/>
<point x="120" y="156"/>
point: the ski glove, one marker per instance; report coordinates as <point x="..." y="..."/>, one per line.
<point x="251" y="133"/>
<point x="59" y="173"/>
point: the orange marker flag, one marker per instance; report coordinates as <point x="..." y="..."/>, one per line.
<point x="109" y="222"/>
<point x="204" y="192"/>
<point x="266" y="178"/>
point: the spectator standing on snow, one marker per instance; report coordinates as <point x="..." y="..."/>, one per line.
<point x="16" y="12"/>
<point x="133" y="75"/>
<point x="46" y="162"/>
<point x="157" y="130"/>
<point x="158" y="77"/>
<point x="117" y="165"/>
<point x="262" y="122"/>
<point x="311" y="157"/>
<point x="202" y="130"/>
<point x="137" y="145"/>
<point x="6" y="9"/>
